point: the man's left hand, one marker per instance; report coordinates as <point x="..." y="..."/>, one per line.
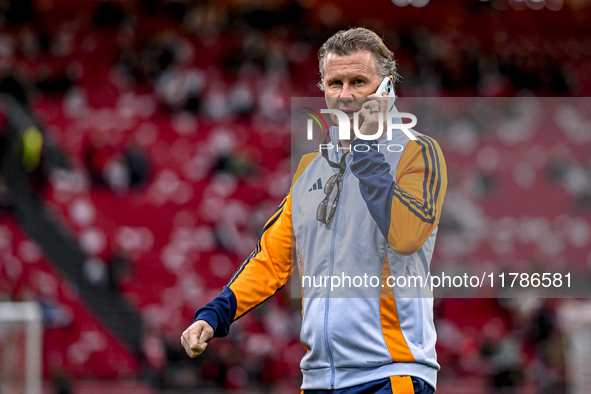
<point x="370" y="115"/>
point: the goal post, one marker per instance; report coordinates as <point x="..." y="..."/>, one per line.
<point x="575" y="321"/>
<point x="21" y="341"/>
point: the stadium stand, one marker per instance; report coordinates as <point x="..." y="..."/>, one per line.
<point x="169" y="124"/>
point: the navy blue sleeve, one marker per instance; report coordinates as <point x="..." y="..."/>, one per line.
<point x="375" y="182"/>
<point x="219" y="313"/>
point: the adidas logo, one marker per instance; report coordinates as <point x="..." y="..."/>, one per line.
<point x="317" y="185"/>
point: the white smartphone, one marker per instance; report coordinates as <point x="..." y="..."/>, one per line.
<point x="387" y="86"/>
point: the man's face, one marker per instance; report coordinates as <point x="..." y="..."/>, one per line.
<point x="348" y="81"/>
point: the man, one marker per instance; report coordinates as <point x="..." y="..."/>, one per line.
<point x="378" y="217"/>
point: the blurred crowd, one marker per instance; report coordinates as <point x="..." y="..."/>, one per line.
<point x="174" y="119"/>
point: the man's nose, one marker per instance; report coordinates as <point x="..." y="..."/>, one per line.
<point x="346" y="94"/>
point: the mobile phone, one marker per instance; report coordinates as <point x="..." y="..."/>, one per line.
<point x="387" y="86"/>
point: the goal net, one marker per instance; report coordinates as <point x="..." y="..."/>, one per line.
<point x="21" y="336"/>
<point x="575" y="321"/>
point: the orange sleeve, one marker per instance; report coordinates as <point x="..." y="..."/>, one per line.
<point x="418" y="193"/>
<point x="268" y="267"/>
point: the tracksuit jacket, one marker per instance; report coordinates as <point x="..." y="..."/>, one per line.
<point x="385" y="224"/>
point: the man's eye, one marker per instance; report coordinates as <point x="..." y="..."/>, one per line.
<point x="359" y="81"/>
<point x="335" y="83"/>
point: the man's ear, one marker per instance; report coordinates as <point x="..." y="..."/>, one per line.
<point x="391" y="78"/>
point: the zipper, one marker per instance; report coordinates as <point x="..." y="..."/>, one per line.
<point x="327" y="303"/>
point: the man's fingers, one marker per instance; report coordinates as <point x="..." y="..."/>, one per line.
<point x="372" y="106"/>
<point x="382" y="101"/>
<point x="194" y="344"/>
<point x="365" y="115"/>
<point x="186" y="342"/>
<point x="199" y="338"/>
<point x="194" y="338"/>
<point x="206" y="334"/>
<point x="197" y="349"/>
<point x="183" y="341"/>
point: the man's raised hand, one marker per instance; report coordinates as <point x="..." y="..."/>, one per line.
<point x="195" y="338"/>
<point x="369" y="119"/>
